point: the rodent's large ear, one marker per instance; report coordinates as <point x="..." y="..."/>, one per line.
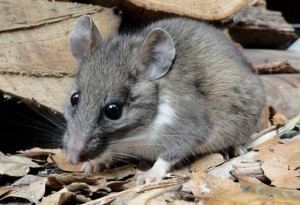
<point x="157" y="54"/>
<point x="84" y="37"/>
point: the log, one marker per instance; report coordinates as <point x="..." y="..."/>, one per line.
<point x="268" y="56"/>
<point x="51" y="92"/>
<point x="258" y="27"/>
<point x="282" y="90"/>
<point x="138" y="13"/>
<point x="283" y="93"/>
<point x="199" y="9"/>
<point x="248" y="22"/>
<point x="207" y="10"/>
<point x="278" y="67"/>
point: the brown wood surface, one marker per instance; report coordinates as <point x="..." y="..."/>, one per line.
<point x="283" y="92"/>
<point x="20" y="14"/>
<point x="265" y="56"/>
<point x="200" y="9"/>
<point x="51" y="92"/>
<point x="280" y="67"/>
<point x="256" y="26"/>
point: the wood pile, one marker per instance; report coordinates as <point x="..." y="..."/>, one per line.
<point x="45" y="26"/>
<point x="247" y="21"/>
<point x="37" y="70"/>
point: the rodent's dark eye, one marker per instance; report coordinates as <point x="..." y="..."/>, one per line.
<point x="113" y="111"/>
<point x="74" y="99"/>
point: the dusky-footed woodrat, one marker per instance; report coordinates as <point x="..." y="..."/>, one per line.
<point x="176" y="88"/>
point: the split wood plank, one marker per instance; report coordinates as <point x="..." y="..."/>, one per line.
<point x="283" y="93"/>
<point x="201" y="9"/>
<point x="257" y="26"/>
<point x="268" y="56"/>
<point x="49" y="91"/>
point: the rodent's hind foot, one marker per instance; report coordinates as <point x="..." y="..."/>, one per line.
<point x="95" y="166"/>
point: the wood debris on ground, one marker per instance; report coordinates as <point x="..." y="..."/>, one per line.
<point x="268" y="173"/>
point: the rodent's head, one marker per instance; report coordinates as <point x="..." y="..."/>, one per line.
<point x="115" y="93"/>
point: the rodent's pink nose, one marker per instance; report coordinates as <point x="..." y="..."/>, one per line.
<point x="75" y="153"/>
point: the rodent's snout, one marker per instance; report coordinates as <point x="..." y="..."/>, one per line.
<point x="75" y="157"/>
<point x="76" y="152"/>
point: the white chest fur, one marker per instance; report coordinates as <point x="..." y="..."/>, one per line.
<point x="165" y="115"/>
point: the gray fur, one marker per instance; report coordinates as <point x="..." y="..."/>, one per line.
<point x="217" y="100"/>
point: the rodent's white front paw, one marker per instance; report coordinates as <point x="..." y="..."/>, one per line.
<point x="147" y="177"/>
<point x="95" y="166"/>
<point x="156" y="173"/>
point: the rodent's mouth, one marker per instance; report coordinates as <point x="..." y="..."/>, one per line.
<point x="89" y="156"/>
<point x="95" y="147"/>
<point x="80" y="150"/>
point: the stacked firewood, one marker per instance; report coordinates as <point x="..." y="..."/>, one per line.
<point x="28" y="25"/>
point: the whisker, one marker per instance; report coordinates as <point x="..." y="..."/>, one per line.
<point x="43" y="129"/>
<point x="124" y="154"/>
<point x="48" y="115"/>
